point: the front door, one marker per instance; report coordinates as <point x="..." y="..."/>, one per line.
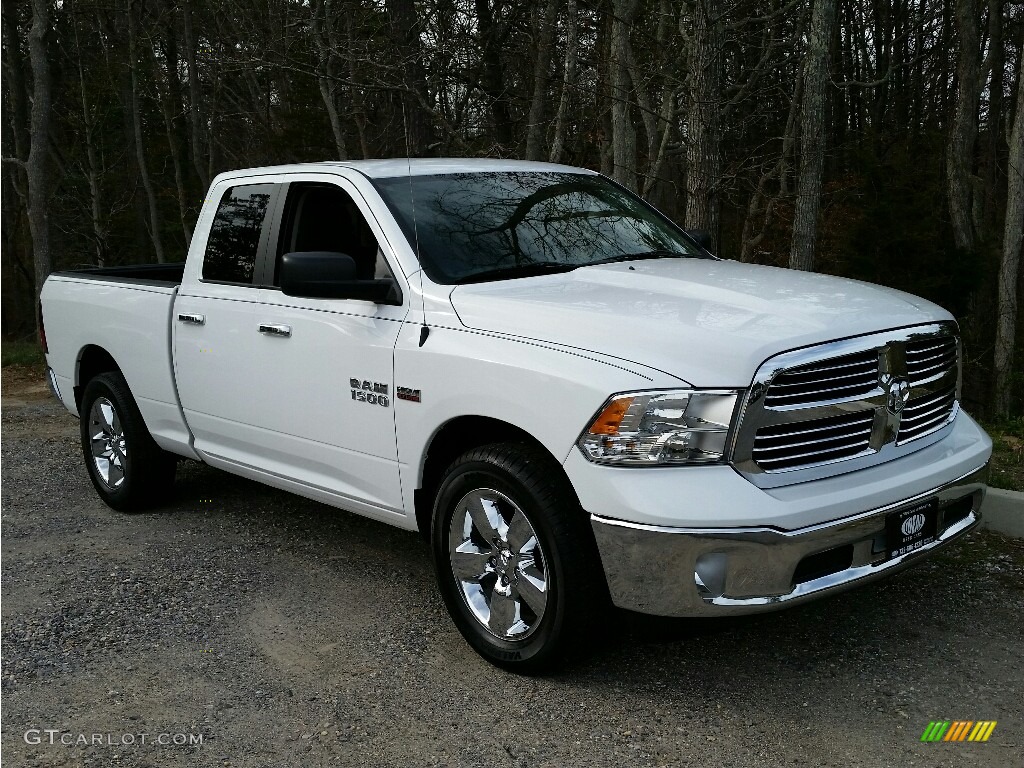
<point x="325" y="368"/>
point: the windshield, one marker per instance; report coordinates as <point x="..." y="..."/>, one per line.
<point x="499" y="225"/>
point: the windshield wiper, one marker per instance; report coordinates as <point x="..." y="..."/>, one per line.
<point x="519" y="270"/>
<point x="660" y="253"/>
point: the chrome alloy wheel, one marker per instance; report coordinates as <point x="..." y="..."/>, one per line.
<point x="498" y="564"/>
<point x="109" y="449"/>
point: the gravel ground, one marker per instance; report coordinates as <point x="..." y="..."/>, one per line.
<point x="289" y="633"/>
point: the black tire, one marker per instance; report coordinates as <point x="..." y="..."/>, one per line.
<point x="138" y="472"/>
<point x="522" y="478"/>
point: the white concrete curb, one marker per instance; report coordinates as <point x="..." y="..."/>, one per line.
<point x="1003" y="512"/>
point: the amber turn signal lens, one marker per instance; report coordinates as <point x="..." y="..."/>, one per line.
<point x="607" y="423"/>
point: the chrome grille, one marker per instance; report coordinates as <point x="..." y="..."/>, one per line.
<point x="923" y="414"/>
<point x="929" y="359"/>
<point x="847" y="376"/>
<point x="783" y="446"/>
<point x="847" y="404"/>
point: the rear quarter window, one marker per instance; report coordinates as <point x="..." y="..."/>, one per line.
<point x="235" y="234"/>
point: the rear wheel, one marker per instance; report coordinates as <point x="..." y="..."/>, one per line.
<point x="514" y="555"/>
<point x="127" y="468"/>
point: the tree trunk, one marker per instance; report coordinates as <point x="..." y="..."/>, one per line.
<point x="658" y="142"/>
<point x="568" y="82"/>
<point x="140" y="150"/>
<point x="538" y="104"/>
<point x="493" y="78"/>
<point x="1010" y="264"/>
<point x="623" y="132"/>
<point x="756" y="211"/>
<point x="604" y="92"/>
<point x="37" y="165"/>
<point x="917" y="75"/>
<point x="704" y="134"/>
<point x="358" y="105"/>
<point x="18" y="298"/>
<point x="963" y="130"/>
<point x="17" y="83"/>
<point x="790" y="137"/>
<point x="93" y="170"/>
<point x="325" y="74"/>
<point x="997" y="119"/>
<point x="170" y="107"/>
<point x="195" y="104"/>
<point x="667" y="115"/>
<point x="812" y="137"/>
<point x="762" y="205"/>
<point x="405" y="32"/>
<point x="327" y="89"/>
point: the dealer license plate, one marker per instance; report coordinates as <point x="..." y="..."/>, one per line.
<point x="911" y="528"/>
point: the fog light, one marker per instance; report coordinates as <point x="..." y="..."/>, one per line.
<point x="709" y="575"/>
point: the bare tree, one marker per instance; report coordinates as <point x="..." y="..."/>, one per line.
<point x="492" y="79"/>
<point x="963" y="131"/>
<point x="568" y="82"/>
<point x="703" y="122"/>
<point x="1010" y="264"/>
<point x="327" y="78"/>
<point x="535" y="128"/>
<point x="405" y="32"/>
<point x="812" y="136"/>
<point x="92" y="166"/>
<point x="15" y="134"/>
<point x="169" y="96"/>
<point x="623" y="132"/>
<point x="155" y="233"/>
<point x="37" y="164"/>
<point x="659" y="120"/>
<point x="762" y="205"/>
<point x="195" y="98"/>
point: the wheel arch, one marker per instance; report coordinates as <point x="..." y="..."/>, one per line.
<point x="451" y="440"/>
<point x="92" y="361"/>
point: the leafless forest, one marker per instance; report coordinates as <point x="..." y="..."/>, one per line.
<point x="877" y="139"/>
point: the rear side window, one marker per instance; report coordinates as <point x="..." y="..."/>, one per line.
<point x="235" y="234"/>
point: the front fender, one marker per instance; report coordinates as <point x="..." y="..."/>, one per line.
<point x="548" y="392"/>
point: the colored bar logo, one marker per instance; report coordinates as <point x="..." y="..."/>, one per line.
<point x="958" y="730"/>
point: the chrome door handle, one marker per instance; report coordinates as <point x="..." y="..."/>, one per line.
<point x="276" y="330"/>
<point x="193" y="319"/>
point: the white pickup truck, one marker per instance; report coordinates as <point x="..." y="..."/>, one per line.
<point x="569" y="396"/>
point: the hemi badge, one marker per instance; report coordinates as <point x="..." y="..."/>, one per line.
<point x="412" y="395"/>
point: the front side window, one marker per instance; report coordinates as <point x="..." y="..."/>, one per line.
<point x="472" y="227"/>
<point x="323" y="217"/>
<point x="235" y="234"/>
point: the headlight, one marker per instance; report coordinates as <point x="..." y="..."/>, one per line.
<point x="655" y="428"/>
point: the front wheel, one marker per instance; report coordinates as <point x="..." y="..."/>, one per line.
<point x="127" y="468"/>
<point x="515" y="558"/>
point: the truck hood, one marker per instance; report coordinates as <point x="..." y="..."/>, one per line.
<point x="710" y="323"/>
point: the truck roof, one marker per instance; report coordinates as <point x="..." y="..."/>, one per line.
<point x="401" y="166"/>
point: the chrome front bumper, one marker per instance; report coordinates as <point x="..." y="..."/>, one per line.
<point x="715" y="572"/>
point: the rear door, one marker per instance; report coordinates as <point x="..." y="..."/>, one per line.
<point x="323" y="369"/>
<point x="214" y="323"/>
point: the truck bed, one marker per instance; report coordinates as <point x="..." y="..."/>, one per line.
<point x="126" y="312"/>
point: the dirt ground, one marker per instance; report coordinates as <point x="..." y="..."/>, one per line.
<point x="287" y="633"/>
